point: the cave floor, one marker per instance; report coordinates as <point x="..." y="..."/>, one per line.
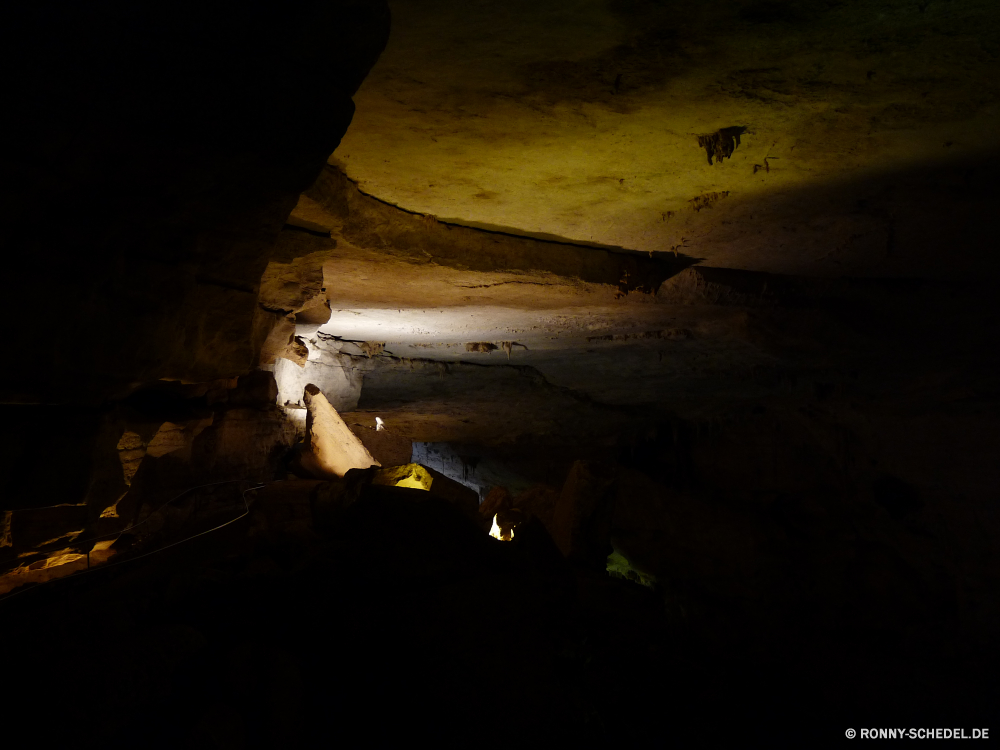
<point x="406" y="622"/>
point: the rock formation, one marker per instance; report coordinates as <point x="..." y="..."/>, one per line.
<point x="695" y="302"/>
<point x="331" y="448"/>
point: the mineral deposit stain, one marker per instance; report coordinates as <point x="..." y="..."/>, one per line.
<point x="721" y="143"/>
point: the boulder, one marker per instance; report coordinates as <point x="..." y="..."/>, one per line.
<point x="331" y="448"/>
<point x="413" y="476"/>
<point x="171" y="437"/>
<point x="582" y="518"/>
<point x="257" y="389"/>
<point x="330" y="500"/>
<point x="497" y="499"/>
<point x="437" y="484"/>
<point x="538" y="501"/>
<point x="463" y="498"/>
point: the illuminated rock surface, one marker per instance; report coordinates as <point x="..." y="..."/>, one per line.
<point x="582" y="121"/>
<point x="331" y="448"/>
<point x="698" y="298"/>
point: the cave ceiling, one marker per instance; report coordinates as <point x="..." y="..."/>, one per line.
<point x="789" y="137"/>
<point x="566" y="220"/>
<point x="488" y="223"/>
<point x="698" y="294"/>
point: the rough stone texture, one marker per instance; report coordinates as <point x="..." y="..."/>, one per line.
<point x="472" y="465"/>
<point x="46" y="526"/>
<point x="719" y="337"/>
<point x="156" y="163"/>
<point x="866" y="150"/>
<point x="784" y="586"/>
<point x="131" y="451"/>
<point x="58" y="564"/>
<point x="152" y="191"/>
<point x="257" y="389"/>
<point x="175" y="437"/>
<point x="342" y="583"/>
<point x="331" y="448"/>
<point x="539" y="501"/>
<point x="712" y="347"/>
<point x="361" y="222"/>
<point x="415" y="476"/>
<point x="581" y="524"/>
<point x="463" y="499"/>
<point x="496" y="500"/>
<point x="292" y="293"/>
<point x="587" y="362"/>
<point x="145" y="455"/>
<point x="794" y="442"/>
<point x="245" y="443"/>
<point x="241" y="446"/>
<point x="389" y="448"/>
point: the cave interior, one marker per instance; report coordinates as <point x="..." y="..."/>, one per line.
<point x="592" y="372"/>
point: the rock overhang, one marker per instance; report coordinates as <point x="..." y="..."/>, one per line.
<point x="584" y="123"/>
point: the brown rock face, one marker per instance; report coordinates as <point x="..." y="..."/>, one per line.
<point x="157" y="160"/>
<point x="721" y="272"/>
<point x="582" y="521"/>
<point x="854" y="137"/>
<point x="466" y="501"/>
<point x="496" y="500"/>
<point x="538" y="501"/>
<point x="388" y="448"/>
<point x="332" y="449"/>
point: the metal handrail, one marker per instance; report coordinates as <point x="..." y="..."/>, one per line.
<point x="105" y="566"/>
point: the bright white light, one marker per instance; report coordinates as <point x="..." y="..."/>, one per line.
<point x="497" y="534"/>
<point x="436" y="324"/>
<point x="379" y="424"/>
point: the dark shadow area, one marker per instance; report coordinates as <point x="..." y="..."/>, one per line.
<point x="804" y="462"/>
<point x="404" y="619"/>
<point x="930" y="221"/>
<point x="28" y="447"/>
<point x="155" y="163"/>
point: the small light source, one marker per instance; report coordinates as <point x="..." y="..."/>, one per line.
<point x="497" y="533"/>
<point x="379" y="424"/>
